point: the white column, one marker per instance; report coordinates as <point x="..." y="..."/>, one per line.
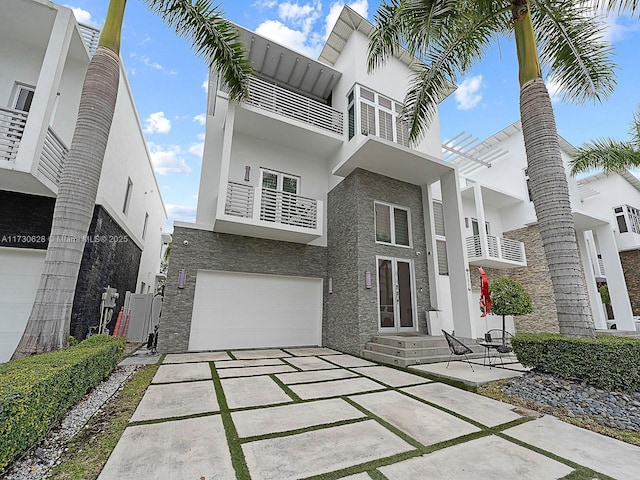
<point x="427" y="209"/>
<point x="586" y="245"/>
<point x="615" y="278"/>
<point x="225" y="161"/>
<point x="457" y="254"/>
<point x="482" y="229"/>
<point x="44" y="97"/>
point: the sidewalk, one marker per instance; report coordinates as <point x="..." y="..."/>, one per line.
<point x="310" y="412"/>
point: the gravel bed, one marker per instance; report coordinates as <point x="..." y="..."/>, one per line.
<point x="609" y="409"/>
<point x="36" y="464"/>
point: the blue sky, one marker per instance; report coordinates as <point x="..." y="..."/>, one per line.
<point x="167" y="82"/>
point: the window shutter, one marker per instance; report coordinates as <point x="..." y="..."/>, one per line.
<point x="438" y="218"/>
<point x="443" y="264"/>
<point x="401" y="224"/>
<point x="386" y="125"/>
<point x="383" y="223"/>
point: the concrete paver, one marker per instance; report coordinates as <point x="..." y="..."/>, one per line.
<point x="266" y="353"/>
<point x="484" y="410"/>
<point x="487" y="457"/>
<point x="334" y="388"/>
<point x="181" y="449"/>
<point x="249" y="363"/>
<point x="345" y="360"/>
<point x="606" y="455"/>
<point x="252" y="392"/>
<point x="291" y="417"/>
<point x="310" y="363"/>
<point x="251" y="371"/>
<point x="176" y="400"/>
<point x="182" y="372"/>
<point x="314" y="376"/>
<point x="195" y="357"/>
<point x="424" y="423"/>
<point x="461" y="372"/>
<point x="320" y="451"/>
<point x="308" y="351"/>
<point x="357" y="476"/>
<point x="391" y="376"/>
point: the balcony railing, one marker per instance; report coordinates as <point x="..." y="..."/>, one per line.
<point x="54" y="153"/>
<point x="271" y="206"/>
<point x="12" y="124"/>
<point x="271" y="97"/>
<point x="90" y="36"/>
<point x="497" y="249"/>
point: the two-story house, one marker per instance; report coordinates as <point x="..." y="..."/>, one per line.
<point x="316" y="222"/>
<point x="44" y="56"/>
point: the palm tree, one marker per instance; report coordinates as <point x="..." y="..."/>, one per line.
<point x="215" y="40"/>
<point x="608" y="154"/>
<point x="450" y="36"/>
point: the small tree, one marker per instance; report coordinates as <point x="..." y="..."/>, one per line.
<point x="508" y="297"/>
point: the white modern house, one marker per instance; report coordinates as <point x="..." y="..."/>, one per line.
<point x="496" y="195"/>
<point x="316" y="222"/>
<point x="44" y="56"/>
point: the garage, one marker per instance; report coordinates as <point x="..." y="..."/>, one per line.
<point x="20" y="271"/>
<point x="245" y="310"/>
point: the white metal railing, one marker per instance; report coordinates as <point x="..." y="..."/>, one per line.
<point x="601" y="268"/>
<point x="274" y="98"/>
<point x="274" y="206"/>
<point x="53" y="155"/>
<point x="90" y="36"/>
<point x="239" y="200"/>
<point x="287" y="208"/>
<point x="12" y="124"/>
<point x="497" y="248"/>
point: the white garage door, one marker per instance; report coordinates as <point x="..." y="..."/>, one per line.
<point x="20" y="271"/>
<point x="241" y="310"/>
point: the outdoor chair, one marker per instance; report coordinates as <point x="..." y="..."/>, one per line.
<point x="499" y="341"/>
<point x="457" y="348"/>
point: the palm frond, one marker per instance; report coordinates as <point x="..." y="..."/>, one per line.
<point x="213" y="38"/>
<point x="631" y="7"/>
<point x="609" y="155"/>
<point x="571" y="46"/>
<point x="635" y="130"/>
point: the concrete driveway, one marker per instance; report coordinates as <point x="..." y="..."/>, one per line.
<point x="316" y="413"/>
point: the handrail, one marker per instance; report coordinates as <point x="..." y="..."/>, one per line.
<point x="12" y="123"/>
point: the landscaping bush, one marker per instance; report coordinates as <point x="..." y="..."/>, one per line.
<point x="35" y="392"/>
<point x="610" y="363"/>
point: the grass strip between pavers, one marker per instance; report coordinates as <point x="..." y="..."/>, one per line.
<point x="285" y="388"/>
<point x="376" y="475"/>
<point x="233" y="440"/>
<point x="287" y="433"/>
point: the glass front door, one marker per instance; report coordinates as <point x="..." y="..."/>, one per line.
<point x="395" y="295"/>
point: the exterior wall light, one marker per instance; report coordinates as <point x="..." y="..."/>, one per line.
<point x="330" y="285"/>
<point x="247" y="173"/>
<point x="367" y="279"/>
<point x="182" y="278"/>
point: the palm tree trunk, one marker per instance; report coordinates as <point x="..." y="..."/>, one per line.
<point x="49" y="323"/>
<point x="548" y="181"/>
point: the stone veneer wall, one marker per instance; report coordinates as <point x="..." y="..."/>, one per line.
<point x="25" y="220"/>
<point x="631" y="267"/>
<point x="353" y="311"/>
<point x="207" y="250"/>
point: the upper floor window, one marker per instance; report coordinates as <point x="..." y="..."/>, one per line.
<point x="627" y="218"/>
<point x="393" y="224"/>
<point x="146" y="224"/>
<point x="127" y="196"/>
<point x="282" y="182"/>
<point x="527" y="181"/>
<point x="374" y="114"/>
<point x="441" y="241"/>
<point x="22" y="97"/>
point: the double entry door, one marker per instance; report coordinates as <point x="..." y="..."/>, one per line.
<point x="396" y="298"/>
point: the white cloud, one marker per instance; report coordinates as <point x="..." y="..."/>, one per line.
<point x="554" y="89"/>
<point x="360" y="6"/>
<point x="294" y="39"/>
<point x="157" y="123"/>
<point x="468" y="93"/>
<point x="197" y="149"/>
<point x="184" y="213"/>
<point x="83" y="16"/>
<point x="155" y="65"/>
<point x="264" y="4"/>
<point x="616" y="28"/>
<point x="201" y="118"/>
<point x="167" y="159"/>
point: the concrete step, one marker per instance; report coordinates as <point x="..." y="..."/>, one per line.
<point x="407" y="352"/>
<point x="413" y="341"/>
<point x="407" y="361"/>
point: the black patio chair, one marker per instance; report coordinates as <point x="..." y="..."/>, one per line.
<point x="499" y="341"/>
<point x="457" y="348"/>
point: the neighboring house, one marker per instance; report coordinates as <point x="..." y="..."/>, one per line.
<point x="44" y="56"/>
<point x="497" y="196"/>
<point x="616" y="197"/>
<point x="316" y="223"/>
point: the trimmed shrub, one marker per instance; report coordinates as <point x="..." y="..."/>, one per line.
<point x="610" y="363"/>
<point x="35" y="392"/>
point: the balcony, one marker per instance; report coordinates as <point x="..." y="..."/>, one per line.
<point x="499" y="252"/>
<point x="90" y="36"/>
<point x="267" y="213"/>
<point x="54" y="151"/>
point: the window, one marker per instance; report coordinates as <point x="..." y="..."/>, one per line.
<point x="476" y="228"/>
<point x="127" y="196"/>
<point x="144" y="227"/>
<point x="441" y="241"/>
<point x="526" y="179"/>
<point x="23" y="96"/>
<point x="282" y="182"/>
<point x="392" y="224"/>
<point x="627" y="218"/>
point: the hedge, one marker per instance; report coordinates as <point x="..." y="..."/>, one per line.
<point x="35" y="392"/>
<point x="610" y="363"/>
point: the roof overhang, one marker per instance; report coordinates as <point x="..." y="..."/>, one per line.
<point x="492" y="197"/>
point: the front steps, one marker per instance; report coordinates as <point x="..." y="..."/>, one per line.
<point x="413" y="349"/>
